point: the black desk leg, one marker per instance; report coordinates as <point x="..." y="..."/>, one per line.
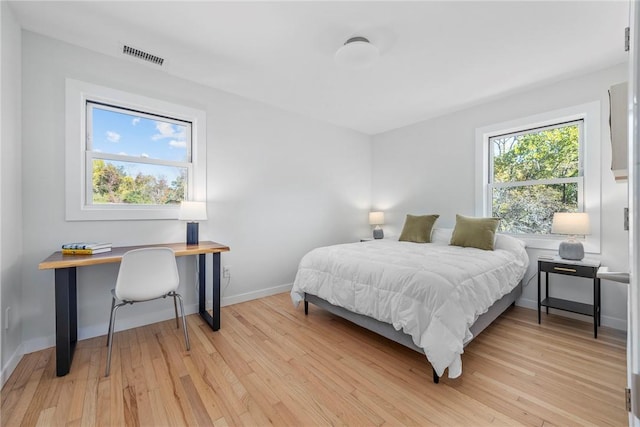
<point x="596" y="306"/>
<point x="539" y="293"/>
<point x="202" y="288"/>
<point x="66" y="318"/>
<point x="599" y="300"/>
<point x="213" y="321"/>
<point x="216" y="291"/>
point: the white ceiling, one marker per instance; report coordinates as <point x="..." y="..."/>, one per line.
<point x="436" y="56"/>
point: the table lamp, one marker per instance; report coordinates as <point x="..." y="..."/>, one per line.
<point x="191" y="212"/>
<point x="571" y="224"/>
<point x="377" y="219"/>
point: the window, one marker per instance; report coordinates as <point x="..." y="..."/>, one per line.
<point x="129" y="156"/>
<point x="136" y="158"/>
<point x="533" y="174"/>
<point x="528" y="169"/>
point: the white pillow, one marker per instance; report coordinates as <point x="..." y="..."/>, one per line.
<point x="441" y="235"/>
<point x="508" y="243"/>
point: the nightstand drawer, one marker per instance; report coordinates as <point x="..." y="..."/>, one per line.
<point x="568" y="269"/>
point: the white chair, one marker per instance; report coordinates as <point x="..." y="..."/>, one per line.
<point x="145" y="274"/>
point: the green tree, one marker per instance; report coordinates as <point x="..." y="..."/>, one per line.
<point x="176" y="190"/>
<point x="111" y="184"/>
<point x="107" y="179"/>
<point x="548" y="154"/>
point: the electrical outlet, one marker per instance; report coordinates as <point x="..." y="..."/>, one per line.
<point x="226" y="271"/>
<point x="6" y="317"/>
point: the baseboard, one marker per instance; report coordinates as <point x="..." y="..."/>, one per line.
<point x="11" y="364"/>
<point x="236" y="299"/>
<point x="611" y="322"/>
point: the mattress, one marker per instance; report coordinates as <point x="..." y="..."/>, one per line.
<point x="431" y="291"/>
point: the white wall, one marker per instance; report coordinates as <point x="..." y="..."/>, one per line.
<point x="10" y="193"/>
<point x="429" y="167"/>
<point x="278" y="184"/>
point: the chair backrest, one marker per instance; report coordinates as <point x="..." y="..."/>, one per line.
<point x="147" y="273"/>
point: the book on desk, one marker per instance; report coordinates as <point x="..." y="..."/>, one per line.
<point x="85" y="248"/>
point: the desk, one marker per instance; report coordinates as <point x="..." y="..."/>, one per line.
<point x="66" y="296"/>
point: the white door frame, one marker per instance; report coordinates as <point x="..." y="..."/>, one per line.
<point x="633" y="331"/>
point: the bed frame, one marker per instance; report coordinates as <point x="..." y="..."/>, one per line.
<point x="388" y="331"/>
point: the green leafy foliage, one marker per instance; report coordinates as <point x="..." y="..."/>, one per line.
<point x="542" y="155"/>
<point x="112" y="185"/>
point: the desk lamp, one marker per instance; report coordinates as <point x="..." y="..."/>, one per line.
<point x="191" y="212"/>
<point x="377" y="219"/>
<point x="571" y="224"/>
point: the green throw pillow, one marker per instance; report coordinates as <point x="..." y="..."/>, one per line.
<point x="474" y="232"/>
<point x="417" y="228"/>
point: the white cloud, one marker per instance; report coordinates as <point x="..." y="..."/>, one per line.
<point x="177" y="144"/>
<point x="145" y="155"/>
<point x="167" y="130"/>
<point x="122" y="153"/>
<point x="135" y="121"/>
<point x="113" y="136"/>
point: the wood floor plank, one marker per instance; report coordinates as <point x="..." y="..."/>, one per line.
<point x="32" y="399"/>
<point x="46" y="418"/>
<point x="270" y="364"/>
<point x="91" y="390"/>
<point x="201" y="385"/>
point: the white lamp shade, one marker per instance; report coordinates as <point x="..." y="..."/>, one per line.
<point x="376" y="218"/>
<point x="357" y="52"/>
<point x="571" y="223"/>
<point x="193" y="211"/>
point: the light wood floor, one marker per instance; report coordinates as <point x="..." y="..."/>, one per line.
<point x="269" y="364"/>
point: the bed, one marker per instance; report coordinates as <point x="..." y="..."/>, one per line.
<point x="431" y="297"/>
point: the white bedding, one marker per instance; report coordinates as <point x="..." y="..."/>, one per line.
<point x="431" y="291"/>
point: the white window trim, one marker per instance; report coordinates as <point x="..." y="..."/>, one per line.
<point x="77" y="94"/>
<point x="590" y="113"/>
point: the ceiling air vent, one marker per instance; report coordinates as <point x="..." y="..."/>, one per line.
<point x="140" y="54"/>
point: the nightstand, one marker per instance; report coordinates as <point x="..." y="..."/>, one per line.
<point x="587" y="268"/>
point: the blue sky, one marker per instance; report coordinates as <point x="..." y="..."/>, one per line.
<point x="120" y="133"/>
<point x="131" y="135"/>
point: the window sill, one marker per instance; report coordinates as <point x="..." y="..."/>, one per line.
<point x="591" y="245"/>
<point x="119" y="214"/>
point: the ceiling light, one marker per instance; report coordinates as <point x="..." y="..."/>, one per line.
<point x="357" y="52"/>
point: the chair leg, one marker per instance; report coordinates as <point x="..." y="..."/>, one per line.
<point x="184" y="322"/>
<point x="113" y="303"/>
<point x="175" y="308"/>
<point x="110" y="339"/>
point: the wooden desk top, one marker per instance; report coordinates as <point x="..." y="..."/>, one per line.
<point x="57" y="260"/>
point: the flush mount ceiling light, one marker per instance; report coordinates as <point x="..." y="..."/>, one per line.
<point x="357" y="52"/>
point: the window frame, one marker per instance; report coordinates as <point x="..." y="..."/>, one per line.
<point x="78" y="191"/>
<point x="590" y="166"/>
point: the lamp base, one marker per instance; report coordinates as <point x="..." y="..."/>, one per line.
<point x="377" y="233"/>
<point x="571" y="250"/>
<point x="192" y="233"/>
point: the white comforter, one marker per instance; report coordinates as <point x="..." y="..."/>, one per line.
<point x="433" y="292"/>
